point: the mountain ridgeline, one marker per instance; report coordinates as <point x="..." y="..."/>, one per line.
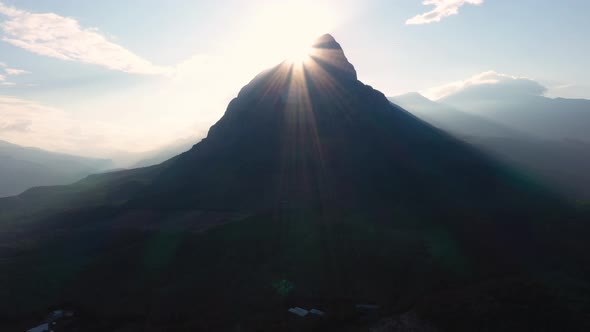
<point x="312" y="190"/>
<point x="311" y="135"/>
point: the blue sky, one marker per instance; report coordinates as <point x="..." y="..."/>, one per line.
<point x="109" y="77"/>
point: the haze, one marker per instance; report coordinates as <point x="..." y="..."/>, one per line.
<point x="113" y="79"/>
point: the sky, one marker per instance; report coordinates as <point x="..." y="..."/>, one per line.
<point x="111" y="78"/>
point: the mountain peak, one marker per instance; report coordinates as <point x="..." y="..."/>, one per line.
<point x="326" y="41"/>
<point x="328" y="53"/>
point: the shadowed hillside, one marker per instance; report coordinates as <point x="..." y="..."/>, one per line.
<point x="312" y="190"/>
<point x="506" y="129"/>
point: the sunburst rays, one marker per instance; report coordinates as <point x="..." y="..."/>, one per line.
<point x="304" y="155"/>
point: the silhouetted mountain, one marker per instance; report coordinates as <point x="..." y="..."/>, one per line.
<point x="315" y="136"/>
<point x="312" y="190"/>
<point x="22" y="168"/>
<point x="560" y="163"/>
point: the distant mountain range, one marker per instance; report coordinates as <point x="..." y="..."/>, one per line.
<point x="542" y="117"/>
<point x="455" y="120"/>
<point x="315" y="191"/>
<point x="546" y="138"/>
<point x="22" y="168"/>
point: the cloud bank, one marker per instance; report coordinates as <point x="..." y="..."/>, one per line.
<point x="502" y="84"/>
<point x="443" y="8"/>
<point x="63" y="38"/>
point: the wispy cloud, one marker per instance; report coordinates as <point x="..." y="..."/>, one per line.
<point x="10" y="72"/>
<point x="64" y="38"/>
<point x="16" y="72"/>
<point x="509" y="83"/>
<point x="3" y="81"/>
<point x="558" y="89"/>
<point x="443" y="8"/>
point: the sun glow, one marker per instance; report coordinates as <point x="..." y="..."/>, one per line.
<point x="299" y="55"/>
<point x="285" y="30"/>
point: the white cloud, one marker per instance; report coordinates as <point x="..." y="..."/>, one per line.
<point x="513" y="84"/>
<point x="63" y="38"/>
<point x="16" y="72"/>
<point x="11" y="72"/>
<point x="443" y="8"/>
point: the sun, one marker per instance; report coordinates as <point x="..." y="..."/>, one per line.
<point x="299" y="53"/>
<point x="285" y="30"/>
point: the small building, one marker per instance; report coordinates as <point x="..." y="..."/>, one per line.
<point x="316" y="312"/>
<point x="299" y="311"/>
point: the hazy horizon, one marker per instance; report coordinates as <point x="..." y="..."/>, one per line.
<point x="92" y="80"/>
